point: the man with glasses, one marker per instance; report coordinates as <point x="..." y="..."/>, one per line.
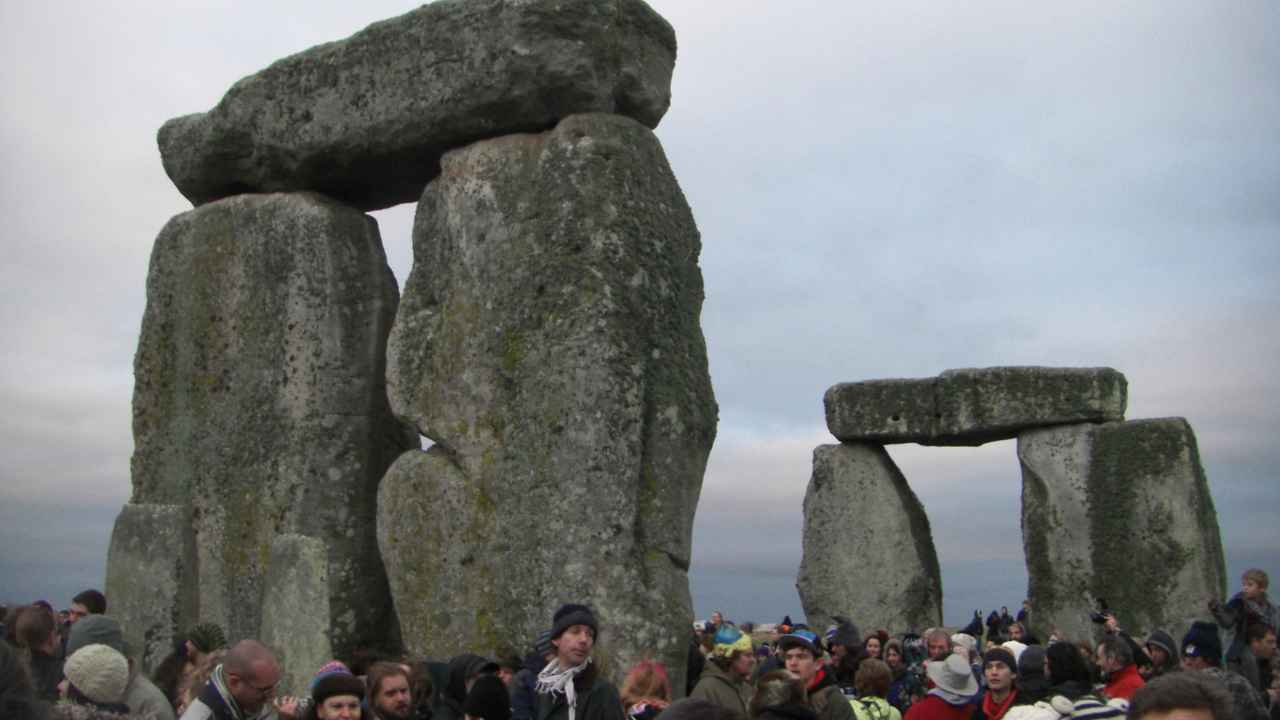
<point x="241" y="688"/>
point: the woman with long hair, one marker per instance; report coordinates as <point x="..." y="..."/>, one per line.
<point x="646" y="691"/>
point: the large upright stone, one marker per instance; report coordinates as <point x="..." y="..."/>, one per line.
<point x="549" y="343"/>
<point x="973" y="406"/>
<point x="366" y="119"/>
<point x="295" y="609"/>
<point x="259" y="400"/>
<point x="868" y="551"/>
<point x="1121" y="512"/>
<point x="150" y="567"/>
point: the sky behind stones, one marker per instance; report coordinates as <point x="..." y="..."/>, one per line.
<point x="884" y="190"/>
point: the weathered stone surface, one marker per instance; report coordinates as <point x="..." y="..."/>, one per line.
<point x="1122" y="512"/>
<point x="868" y="551"/>
<point x="549" y="342"/>
<point x="366" y="119"/>
<point x="259" y="399"/>
<point x="973" y="406"/>
<point x="149" y="562"/>
<point x="295" y="609"/>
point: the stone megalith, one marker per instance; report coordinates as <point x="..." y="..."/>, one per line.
<point x="1121" y="512"/>
<point x="973" y="406"/>
<point x="868" y="551"/>
<point x="295" y="609"/>
<point x="149" y="562"/>
<point x="366" y="119"/>
<point x="549" y="342"/>
<point x="259" y="402"/>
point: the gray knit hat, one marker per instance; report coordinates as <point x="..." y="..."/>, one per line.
<point x="95" y="630"/>
<point x="99" y="672"/>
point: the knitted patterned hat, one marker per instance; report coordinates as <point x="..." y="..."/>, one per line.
<point x="728" y="639"/>
<point x="99" y="672"/>
<point x="334" y="684"/>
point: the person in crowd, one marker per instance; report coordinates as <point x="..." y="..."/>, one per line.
<point x="780" y="695"/>
<point x="974" y="627"/>
<point x="1024" y="613"/>
<point x="570" y="687"/>
<point x="335" y="696"/>
<point x="967" y="645"/>
<point x="995" y="630"/>
<point x="646" y="691"/>
<point x="726" y="677"/>
<point x="1163" y="652"/>
<point x="698" y="709"/>
<point x="694" y="663"/>
<point x="1119" y="672"/>
<point x="1069" y="673"/>
<point x="938" y="642"/>
<point x="1033" y="684"/>
<point x="37" y="634"/>
<point x="241" y="688"/>
<point x="901" y="687"/>
<point x="190" y="687"/>
<point x="487" y="700"/>
<point x="1259" y="648"/>
<point x="145" y="700"/>
<point x="1247" y="607"/>
<point x="801" y="653"/>
<point x="873" y="647"/>
<point x="188" y="651"/>
<point x="523" y="694"/>
<point x="86" y="603"/>
<point x="1191" y="695"/>
<point x="953" y="694"/>
<point x="1202" y="652"/>
<point x="389" y="695"/>
<point x="509" y="664"/>
<point x="96" y="676"/>
<point x="844" y="642"/>
<point x="872" y="685"/>
<point x="713" y="625"/>
<point x="1001" y="671"/>
<point x="17" y="696"/>
<point x="454" y="680"/>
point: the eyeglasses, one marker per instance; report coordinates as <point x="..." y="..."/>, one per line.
<point x="266" y="691"/>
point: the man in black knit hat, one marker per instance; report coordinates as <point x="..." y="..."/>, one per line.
<point x="569" y="687"/>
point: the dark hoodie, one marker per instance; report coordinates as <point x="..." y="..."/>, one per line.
<point x="1165" y="641"/>
<point x="1033" y="686"/>
<point x="451" y="690"/>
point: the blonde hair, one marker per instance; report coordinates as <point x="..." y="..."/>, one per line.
<point x="647" y="680"/>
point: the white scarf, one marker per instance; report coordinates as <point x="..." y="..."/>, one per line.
<point x="554" y="679"/>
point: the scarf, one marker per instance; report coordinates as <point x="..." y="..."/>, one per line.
<point x="994" y="711"/>
<point x="553" y="680"/>
<point x="216" y="692"/>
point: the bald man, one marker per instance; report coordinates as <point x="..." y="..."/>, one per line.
<point x="241" y="688"/>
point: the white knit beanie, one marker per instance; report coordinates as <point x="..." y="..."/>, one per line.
<point x="99" y="672"/>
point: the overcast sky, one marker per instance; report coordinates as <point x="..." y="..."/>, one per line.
<point x="883" y="189"/>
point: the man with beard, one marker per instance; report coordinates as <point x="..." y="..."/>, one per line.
<point x="389" y="696"/>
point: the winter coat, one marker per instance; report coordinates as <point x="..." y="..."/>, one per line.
<point x="874" y="708"/>
<point x="723" y="689"/>
<point x="1237" y="615"/>
<point x="1124" y="683"/>
<point x="827" y="700"/>
<point x="145" y="699"/>
<point x="597" y="699"/>
<point x="1246" y="703"/>
<point x="524" y="700"/>
<point x="46" y="673"/>
<point x="932" y="707"/>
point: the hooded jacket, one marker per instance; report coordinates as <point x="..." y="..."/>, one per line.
<point x="723" y="688"/>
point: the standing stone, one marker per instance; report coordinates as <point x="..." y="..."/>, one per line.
<point x="549" y="343"/>
<point x="868" y="551"/>
<point x="295" y="609"/>
<point x="973" y="406"/>
<point x="259" y="402"/>
<point x="150" y="564"/>
<point x="366" y="119"/>
<point x="1121" y="512"/>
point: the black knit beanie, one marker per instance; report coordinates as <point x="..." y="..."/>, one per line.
<point x="572" y="614"/>
<point x="1003" y="655"/>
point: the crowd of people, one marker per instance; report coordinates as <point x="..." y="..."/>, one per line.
<point x="75" y="665"/>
